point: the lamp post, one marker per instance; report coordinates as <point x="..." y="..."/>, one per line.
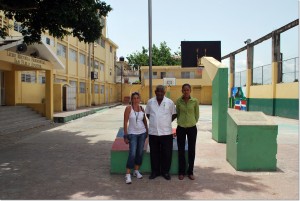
<point x="150" y="46"/>
<point x="122" y="61"/>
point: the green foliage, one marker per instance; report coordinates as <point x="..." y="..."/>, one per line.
<point x="161" y="56"/>
<point x="79" y="18"/>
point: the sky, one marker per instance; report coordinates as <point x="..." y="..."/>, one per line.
<point x="229" y="21"/>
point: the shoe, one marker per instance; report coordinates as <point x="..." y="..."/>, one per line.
<point x="128" y="179"/>
<point x="167" y="176"/>
<point x="180" y="177"/>
<point x="153" y="176"/>
<point x="137" y="174"/>
<point x="191" y="177"/>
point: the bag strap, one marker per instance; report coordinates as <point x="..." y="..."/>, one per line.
<point x="142" y="109"/>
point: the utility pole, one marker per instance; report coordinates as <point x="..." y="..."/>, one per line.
<point x="150" y="46"/>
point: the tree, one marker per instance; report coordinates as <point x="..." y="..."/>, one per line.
<point x="161" y="56"/>
<point x="80" y="18"/>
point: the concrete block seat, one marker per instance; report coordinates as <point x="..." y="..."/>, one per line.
<point x="251" y="141"/>
<point x="119" y="155"/>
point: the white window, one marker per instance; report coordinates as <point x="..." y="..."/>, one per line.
<point x="28" y="76"/>
<point x="96" y="89"/>
<point x="154" y="75"/>
<point x="61" y="50"/>
<point x="82" y="87"/>
<point x="48" y="41"/>
<point x="82" y="58"/>
<point x="42" y="79"/>
<point x="73" y="55"/>
<point x="102" y="89"/>
<point x="170" y="75"/>
<point x="101" y="67"/>
<point x="96" y="65"/>
<point x="187" y="75"/>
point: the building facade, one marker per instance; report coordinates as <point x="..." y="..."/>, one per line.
<point x="56" y="75"/>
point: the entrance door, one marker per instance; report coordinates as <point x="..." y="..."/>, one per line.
<point x="2" y="89"/>
<point x="71" y="98"/>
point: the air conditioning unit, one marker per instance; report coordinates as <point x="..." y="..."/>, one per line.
<point x="94" y="75"/>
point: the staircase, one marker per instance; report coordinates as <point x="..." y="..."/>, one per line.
<point x="19" y="118"/>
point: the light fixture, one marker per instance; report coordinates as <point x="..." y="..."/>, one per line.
<point x="248" y="41"/>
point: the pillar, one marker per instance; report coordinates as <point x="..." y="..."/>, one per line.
<point x="49" y="95"/>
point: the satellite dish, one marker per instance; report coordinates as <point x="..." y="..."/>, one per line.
<point x="22" y="48"/>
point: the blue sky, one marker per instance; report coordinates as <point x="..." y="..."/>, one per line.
<point x="231" y="22"/>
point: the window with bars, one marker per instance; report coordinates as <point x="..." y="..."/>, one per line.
<point x="96" y="65"/>
<point x="42" y="79"/>
<point x="187" y="75"/>
<point x="102" y="89"/>
<point x="101" y="67"/>
<point x="96" y="89"/>
<point x="73" y="55"/>
<point x="82" y="87"/>
<point x="29" y="77"/>
<point x="61" y="50"/>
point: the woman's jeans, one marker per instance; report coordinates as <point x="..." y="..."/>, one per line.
<point x="191" y="133"/>
<point x="136" y="149"/>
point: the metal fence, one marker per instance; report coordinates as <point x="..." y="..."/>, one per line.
<point x="240" y="78"/>
<point x="290" y="70"/>
<point x="262" y="75"/>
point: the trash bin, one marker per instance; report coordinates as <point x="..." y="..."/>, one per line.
<point x="251" y="141"/>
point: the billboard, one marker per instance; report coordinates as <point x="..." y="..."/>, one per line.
<point x="191" y="50"/>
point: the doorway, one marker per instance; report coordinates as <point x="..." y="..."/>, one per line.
<point x="69" y="98"/>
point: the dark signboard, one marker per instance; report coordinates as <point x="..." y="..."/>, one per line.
<point x="191" y="49"/>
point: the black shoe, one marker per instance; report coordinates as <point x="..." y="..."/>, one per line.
<point x="153" y="176"/>
<point x="167" y="176"/>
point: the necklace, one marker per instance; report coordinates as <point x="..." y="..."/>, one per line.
<point x="136" y="115"/>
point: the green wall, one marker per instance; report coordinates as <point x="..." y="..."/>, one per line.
<point x="219" y="105"/>
<point x="288" y="108"/>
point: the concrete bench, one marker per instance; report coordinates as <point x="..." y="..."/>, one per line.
<point x="251" y="141"/>
<point x="119" y="155"/>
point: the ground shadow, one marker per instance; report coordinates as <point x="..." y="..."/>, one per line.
<point x="65" y="165"/>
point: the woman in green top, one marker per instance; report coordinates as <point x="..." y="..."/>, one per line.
<point x="187" y="109"/>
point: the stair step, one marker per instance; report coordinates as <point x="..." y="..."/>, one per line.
<point x="19" y="118"/>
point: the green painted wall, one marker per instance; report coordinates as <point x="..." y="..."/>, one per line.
<point x="219" y="105"/>
<point x="260" y="104"/>
<point x="288" y="108"/>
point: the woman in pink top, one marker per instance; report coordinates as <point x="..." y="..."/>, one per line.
<point x="135" y="134"/>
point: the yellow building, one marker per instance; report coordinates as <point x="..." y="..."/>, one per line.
<point x="173" y="77"/>
<point x="56" y="75"/>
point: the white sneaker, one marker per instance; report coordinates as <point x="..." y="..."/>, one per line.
<point x="137" y="174"/>
<point x="128" y="179"/>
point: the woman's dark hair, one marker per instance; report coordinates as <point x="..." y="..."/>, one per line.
<point x="186" y="84"/>
<point x="133" y="94"/>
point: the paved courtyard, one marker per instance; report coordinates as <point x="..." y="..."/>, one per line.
<point x="72" y="161"/>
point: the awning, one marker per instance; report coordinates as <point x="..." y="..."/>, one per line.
<point x="42" y="50"/>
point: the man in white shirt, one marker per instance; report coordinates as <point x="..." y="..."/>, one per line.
<point x="160" y="111"/>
